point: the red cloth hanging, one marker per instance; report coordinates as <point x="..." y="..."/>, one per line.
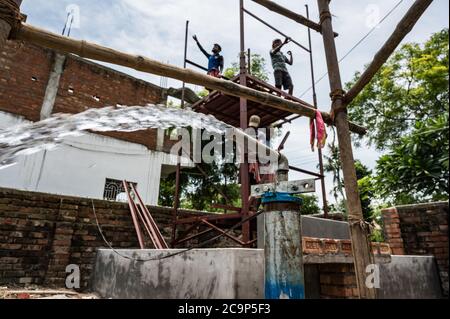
<point x="320" y="131"/>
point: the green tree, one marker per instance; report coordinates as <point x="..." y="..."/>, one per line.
<point x="310" y="205"/>
<point x="332" y="164"/>
<point x="411" y="87"/>
<point x="405" y="108"/>
<point x="418" y="168"/>
<point x="258" y="68"/>
<point x="366" y="183"/>
<point x="366" y="188"/>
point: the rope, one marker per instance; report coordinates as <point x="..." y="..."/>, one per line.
<point x="10" y="13"/>
<point x="170" y="255"/>
<point x="367" y="228"/>
<point x="337" y="95"/>
<point x="325" y="15"/>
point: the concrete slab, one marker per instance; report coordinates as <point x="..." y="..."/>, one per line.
<point x="197" y="274"/>
<point x="410" y="277"/>
<point x="239" y="274"/>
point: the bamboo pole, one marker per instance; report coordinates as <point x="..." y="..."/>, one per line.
<point x="272" y="6"/>
<point x="100" y="53"/>
<point x="362" y="252"/>
<point x="401" y="31"/>
<point x="5" y="27"/>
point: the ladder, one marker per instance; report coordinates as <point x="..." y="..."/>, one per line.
<point x="140" y="213"/>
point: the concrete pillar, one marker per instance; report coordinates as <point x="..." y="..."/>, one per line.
<point x="284" y="272"/>
<point x="52" y="86"/>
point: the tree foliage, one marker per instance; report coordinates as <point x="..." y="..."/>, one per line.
<point x="310" y="205"/>
<point x="405" y="108"/>
<point x="418" y="168"/>
<point x="258" y="68"/>
<point x="411" y="87"/>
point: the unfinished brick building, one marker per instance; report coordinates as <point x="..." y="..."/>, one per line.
<point x="36" y="82"/>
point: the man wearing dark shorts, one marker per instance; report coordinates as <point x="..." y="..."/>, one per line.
<point x="283" y="79"/>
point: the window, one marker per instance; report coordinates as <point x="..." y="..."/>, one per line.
<point x="114" y="190"/>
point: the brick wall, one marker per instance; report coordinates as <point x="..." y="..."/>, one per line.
<point x="24" y="74"/>
<point x="420" y="230"/>
<point x="338" y="281"/>
<point x="41" y="234"/>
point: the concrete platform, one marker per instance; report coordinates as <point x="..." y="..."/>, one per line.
<point x="197" y="274"/>
<point x="239" y="274"/>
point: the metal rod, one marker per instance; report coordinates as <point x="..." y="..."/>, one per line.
<point x="196" y="65"/>
<point x="146" y="225"/>
<point x="184" y="62"/>
<point x="281" y="146"/>
<point x="249" y="59"/>
<point x="304" y="171"/>
<point x="202" y="68"/>
<point x="153" y="226"/>
<point x="242" y="243"/>
<point x="275" y="29"/>
<point x="320" y="153"/>
<point x="181" y="241"/>
<point x="134" y="215"/>
<point x="176" y="202"/>
<point x="244" y="172"/>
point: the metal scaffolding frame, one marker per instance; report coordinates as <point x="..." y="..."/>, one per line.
<point x="245" y="66"/>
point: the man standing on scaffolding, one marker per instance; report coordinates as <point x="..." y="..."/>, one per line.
<point x="282" y="77"/>
<point x="215" y="60"/>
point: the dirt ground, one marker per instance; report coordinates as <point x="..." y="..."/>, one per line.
<point x="36" y="292"/>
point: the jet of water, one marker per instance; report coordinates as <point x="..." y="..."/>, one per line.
<point x="27" y="139"/>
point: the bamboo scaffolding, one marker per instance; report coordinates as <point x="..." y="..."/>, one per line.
<point x="359" y="233"/>
<point x="93" y="51"/>
<point x="403" y="28"/>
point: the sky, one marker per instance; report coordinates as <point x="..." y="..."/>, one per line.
<point x="156" y="29"/>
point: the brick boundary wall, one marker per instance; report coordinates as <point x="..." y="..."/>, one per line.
<point x="338" y="281"/>
<point x="420" y="230"/>
<point x="40" y="234"/>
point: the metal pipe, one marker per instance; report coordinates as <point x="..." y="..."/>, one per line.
<point x="134" y="216"/>
<point x="244" y="172"/>
<point x="202" y="68"/>
<point x="249" y="61"/>
<point x="275" y="29"/>
<point x="196" y="65"/>
<point x="304" y="171"/>
<point x="176" y="200"/>
<point x="184" y="62"/>
<point x="283" y="255"/>
<point x="320" y="153"/>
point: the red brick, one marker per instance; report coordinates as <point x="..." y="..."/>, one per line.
<point x="312" y="245"/>
<point x="330" y="246"/>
